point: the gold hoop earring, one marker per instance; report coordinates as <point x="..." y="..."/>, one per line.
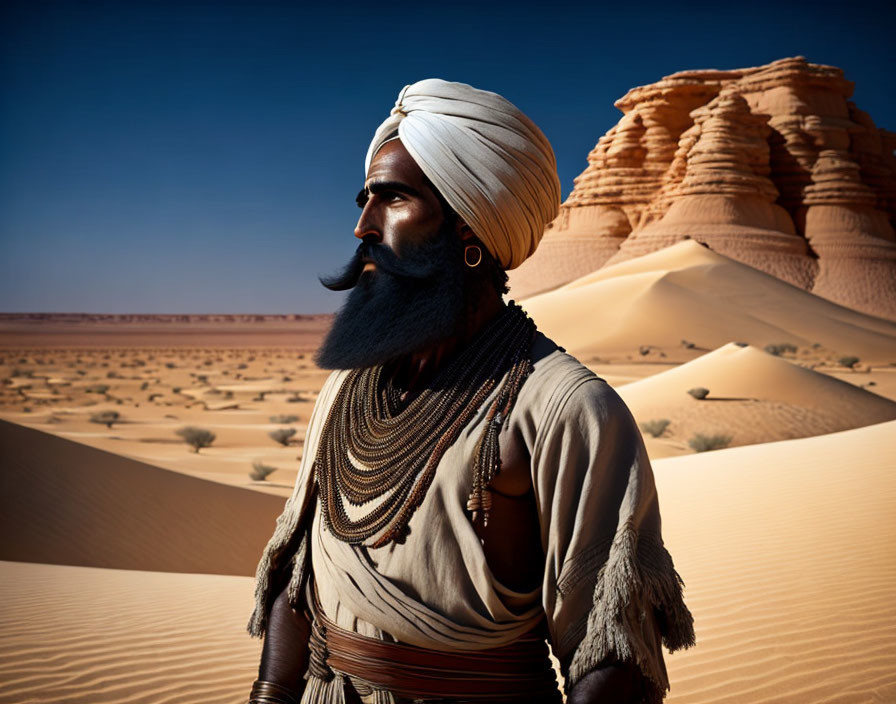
<point x="473" y="261"/>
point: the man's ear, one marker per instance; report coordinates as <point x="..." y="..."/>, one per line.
<point x="463" y="230"/>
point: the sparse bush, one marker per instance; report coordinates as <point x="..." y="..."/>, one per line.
<point x="655" y="427"/>
<point x="260" y="471"/>
<point x="197" y="438"/>
<point x="778" y="348"/>
<point x="96" y="388"/>
<point x="175" y="390"/>
<point x="282" y="435"/>
<point x="741" y="344"/>
<point x="284" y="419"/>
<point x="260" y="397"/>
<point x="699" y="393"/>
<point x="644" y="349"/>
<point x="295" y="398"/>
<point x="704" y="443"/>
<point x="848" y="361"/>
<point x="106" y="418"/>
<point x="687" y="344"/>
<point x="144" y="386"/>
<point x="170" y="365"/>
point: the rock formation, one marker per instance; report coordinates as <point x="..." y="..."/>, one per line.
<point x="772" y="166"/>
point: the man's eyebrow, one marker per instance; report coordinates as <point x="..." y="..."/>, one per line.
<point x="397" y="186"/>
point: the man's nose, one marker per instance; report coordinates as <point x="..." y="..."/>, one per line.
<point x="367" y="226"/>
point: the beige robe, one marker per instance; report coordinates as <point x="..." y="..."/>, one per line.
<point x="609" y="588"/>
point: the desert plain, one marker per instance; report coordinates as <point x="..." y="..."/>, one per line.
<point x="128" y="554"/>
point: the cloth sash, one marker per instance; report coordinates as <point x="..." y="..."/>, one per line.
<point x="520" y="671"/>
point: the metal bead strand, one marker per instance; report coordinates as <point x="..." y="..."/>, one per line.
<point x="398" y="450"/>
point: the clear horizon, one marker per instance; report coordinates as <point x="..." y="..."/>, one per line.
<point x="203" y="158"/>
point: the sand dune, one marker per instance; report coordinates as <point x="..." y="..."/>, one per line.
<point x="80" y="634"/>
<point x="787" y="552"/>
<point x="688" y="292"/>
<point x="754" y="397"/>
<point x="785" y="548"/>
<point x="70" y="504"/>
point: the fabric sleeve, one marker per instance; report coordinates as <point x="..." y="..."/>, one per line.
<point x="610" y="589"/>
<point x="285" y="558"/>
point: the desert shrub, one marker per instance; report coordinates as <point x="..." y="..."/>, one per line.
<point x="778" y="348"/>
<point x="106" y="418"/>
<point x="644" y="349"/>
<point x="202" y="378"/>
<point x="295" y="398"/>
<point x="96" y="388"/>
<point x="284" y="419"/>
<point x="848" y="361"/>
<point x="704" y="443"/>
<point x="687" y="344"/>
<point x="655" y="427"/>
<point x="153" y="397"/>
<point x="260" y="471"/>
<point x="698" y="392"/>
<point x="175" y="390"/>
<point x="144" y="386"/>
<point x="282" y="435"/>
<point x="170" y="365"/>
<point x="197" y="438"/>
<point x="741" y="344"/>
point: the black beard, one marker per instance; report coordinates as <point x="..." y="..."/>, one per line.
<point x="406" y="304"/>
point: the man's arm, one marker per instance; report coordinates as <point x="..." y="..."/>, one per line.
<point x="608" y="683"/>
<point x="284" y="656"/>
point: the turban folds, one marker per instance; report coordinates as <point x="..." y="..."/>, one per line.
<point x="487" y="159"/>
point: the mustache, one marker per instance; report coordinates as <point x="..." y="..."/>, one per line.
<point x="423" y="263"/>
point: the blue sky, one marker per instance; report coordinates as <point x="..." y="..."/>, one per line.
<point x="204" y="156"/>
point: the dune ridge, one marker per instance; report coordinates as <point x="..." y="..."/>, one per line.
<point x="66" y="503"/>
<point x="688" y="292"/>
<point x="755" y="396"/>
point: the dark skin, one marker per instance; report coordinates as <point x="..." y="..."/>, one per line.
<point x="400" y="206"/>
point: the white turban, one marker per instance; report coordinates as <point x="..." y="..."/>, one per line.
<point x="487" y="159"/>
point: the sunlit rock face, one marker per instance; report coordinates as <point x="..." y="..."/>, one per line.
<point x="772" y="166"/>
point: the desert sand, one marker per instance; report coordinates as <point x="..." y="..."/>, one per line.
<point x="128" y="557"/>
<point x="685" y="299"/>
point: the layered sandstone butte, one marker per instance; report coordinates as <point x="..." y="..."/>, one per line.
<point x="772" y="166"/>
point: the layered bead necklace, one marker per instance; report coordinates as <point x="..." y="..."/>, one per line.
<point x="371" y="449"/>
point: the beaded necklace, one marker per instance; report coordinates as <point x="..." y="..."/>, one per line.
<point x="371" y="448"/>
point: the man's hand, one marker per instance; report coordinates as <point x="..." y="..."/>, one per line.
<point x="608" y="683"/>
<point x="284" y="657"/>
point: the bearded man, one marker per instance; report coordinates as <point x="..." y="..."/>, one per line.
<point x="468" y="492"/>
